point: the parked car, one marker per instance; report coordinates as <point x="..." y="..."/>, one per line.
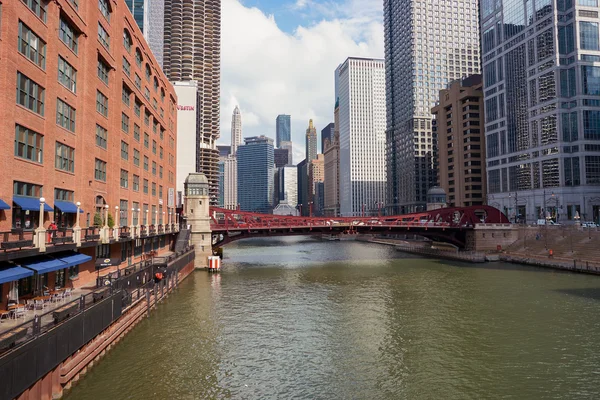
<point x="589" y="225"/>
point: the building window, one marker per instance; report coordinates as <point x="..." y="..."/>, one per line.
<point x="101" y="136"/>
<point x="104" y="9"/>
<point x="592" y="170"/>
<point x="126" y="95"/>
<point x="136" y="183"/>
<point x="29" y="144"/>
<point x="147" y="118"/>
<point x="64" y="195"/>
<point x="154" y="189"/>
<point x="127" y="42"/>
<point x="146" y="140"/>
<point x="101" y="103"/>
<point x="31" y="46"/>
<point x="67" y="75"/>
<point x="103" y="251"/>
<point x="148" y="72"/>
<point x="103" y="71"/>
<point x="153" y="167"/>
<point x="136" y="157"/>
<point x="136" y="132"/>
<point x="126" y="67"/>
<point x="65" y="115"/>
<point x="160" y="191"/>
<point x="154" y="147"/>
<point x="64" y="220"/>
<point x="123" y="211"/>
<point x="125" y="123"/>
<point x="25" y="219"/>
<point x="67" y="34"/>
<point x="147" y="93"/>
<point x="160" y="152"/>
<point x="124" y="179"/>
<point x="153" y="215"/>
<point x="29" y="94"/>
<point x="589" y="35"/>
<point x="146" y="161"/>
<point x="103" y="36"/>
<point x="124" y="150"/>
<point x="38" y="8"/>
<point x="155" y="85"/>
<point x="65" y="158"/>
<point x="100" y="170"/>
<point x="138" y="81"/>
<point x="137" y="107"/>
<point x="146" y="186"/>
<point x="160" y="171"/>
<point x="138" y="57"/>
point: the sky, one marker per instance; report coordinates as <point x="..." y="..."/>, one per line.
<point x="279" y="57"/>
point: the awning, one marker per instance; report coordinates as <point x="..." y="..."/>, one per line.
<point x="31" y="203"/>
<point x="71" y="259"/>
<point x="67" y="207"/>
<point x="43" y="265"/>
<point x="13" y="273"/>
<point x="3" y="205"/>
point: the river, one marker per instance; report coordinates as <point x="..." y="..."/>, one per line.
<point x="309" y="319"/>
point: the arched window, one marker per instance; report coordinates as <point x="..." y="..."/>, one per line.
<point x="138" y="57"/>
<point x="148" y="72"/>
<point x="127" y="41"/>
<point x="162" y="95"/>
<point x="155" y="85"/>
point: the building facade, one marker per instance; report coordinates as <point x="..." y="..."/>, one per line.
<point x="236" y="130"/>
<point x="541" y="73"/>
<point x="283" y="129"/>
<point x="281" y="157"/>
<point x="316" y="173"/>
<point x="150" y="18"/>
<point x="187" y="93"/>
<point x="288" y="185"/>
<point x="255" y="165"/>
<point x="93" y="123"/>
<point x="331" y="174"/>
<point x="289" y="147"/>
<point x="428" y="43"/>
<point x="229" y="185"/>
<point x="458" y="125"/>
<point x="303" y="189"/>
<point x="311" y="142"/>
<point x="327" y="134"/>
<point x="362" y="109"/>
<point x="192" y="51"/>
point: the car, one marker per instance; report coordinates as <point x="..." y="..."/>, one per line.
<point x="589" y="225"/>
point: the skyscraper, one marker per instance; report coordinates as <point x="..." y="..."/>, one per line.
<point x="229" y="182"/>
<point x="542" y="110"/>
<point x="288" y="185"/>
<point x="236" y="130"/>
<point x="427" y="44"/>
<point x="326" y="133"/>
<point x="187" y="93"/>
<point x="361" y="90"/>
<point x="255" y="174"/>
<point x="289" y="147"/>
<point x="192" y="51"/>
<point x="150" y="15"/>
<point x="311" y="142"/>
<point x="283" y="127"/>
<point x="281" y="158"/>
<point x="332" y="168"/>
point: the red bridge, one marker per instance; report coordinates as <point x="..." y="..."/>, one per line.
<point x="448" y="225"/>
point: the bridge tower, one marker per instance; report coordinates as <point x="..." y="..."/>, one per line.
<point x="197" y="212"/>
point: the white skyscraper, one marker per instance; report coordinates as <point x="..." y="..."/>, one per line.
<point x="236" y="130"/>
<point x="229" y="182"/>
<point x="360" y="87"/>
<point x="186" y="132"/>
<point x="428" y="43"/>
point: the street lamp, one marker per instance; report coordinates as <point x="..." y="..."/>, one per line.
<point x="117" y="215"/>
<point x="41" y="219"/>
<point x="106" y="216"/>
<point x="78" y="204"/>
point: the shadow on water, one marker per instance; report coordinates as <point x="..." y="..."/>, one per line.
<point x="587" y="293"/>
<point x="503" y="266"/>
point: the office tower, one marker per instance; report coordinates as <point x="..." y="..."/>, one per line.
<point x="331" y="178"/>
<point x="289" y="147"/>
<point x="326" y="133"/>
<point x="541" y="83"/>
<point x="281" y="157"/>
<point x="192" y="51"/>
<point x="315" y="177"/>
<point x="236" y="130"/>
<point x="361" y="90"/>
<point x="288" y="185"/>
<point x="428" y="43"/>
<point x="461" y="148"/>
<point x="228" y="189"/>
<point x="255" y="174"/>
<point x="187" y="93"/>
<point x="283" y="129"/>
<point x="303" y="190"/>
<point x="311" y="142"/>
<point x="150" y="16"/>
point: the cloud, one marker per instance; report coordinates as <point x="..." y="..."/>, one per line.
<point x="269" y="72"/>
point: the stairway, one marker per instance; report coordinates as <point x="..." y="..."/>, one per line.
<point x="183" y="240"/>
<point x="565" y="243"/>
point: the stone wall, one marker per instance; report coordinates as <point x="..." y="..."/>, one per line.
<point x="491" y="237"/>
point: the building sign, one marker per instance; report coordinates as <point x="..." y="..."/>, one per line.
<point x="107" y="262"/>
<point x="185" y="108"/>
<point x="171" y="198"/>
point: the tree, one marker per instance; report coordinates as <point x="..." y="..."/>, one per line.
<point x="97" y="220"/>
<point x="111" y="221"/>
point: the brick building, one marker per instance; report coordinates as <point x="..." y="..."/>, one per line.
<point x="90" y="113"/>
<point x="461" y="142"/>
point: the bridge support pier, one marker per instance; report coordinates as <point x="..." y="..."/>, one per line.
<point x="197" y="212"/>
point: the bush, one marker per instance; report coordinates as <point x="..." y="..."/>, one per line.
<point x="111" y="221"/>
<point x="97" y="220"/>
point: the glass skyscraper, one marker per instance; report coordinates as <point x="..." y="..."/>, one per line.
<point x="283" y="128"/>
<point x="428" y="43"/>
<point x="150" y="15"/>
<point x="541" y="64"/>
<point x="255" y="167"/>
